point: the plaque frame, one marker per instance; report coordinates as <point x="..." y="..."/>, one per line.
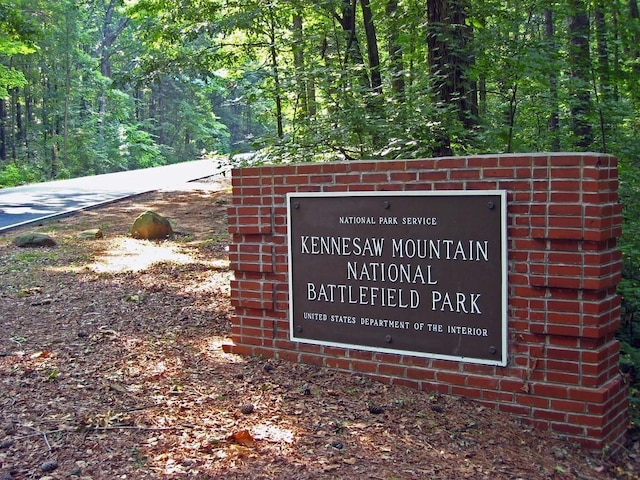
<point x="386" y="200"/>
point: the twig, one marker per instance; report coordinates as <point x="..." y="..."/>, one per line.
<point x="44" y="435"/>
<point x="135" y="427"/>
<point x="88" y="429"/>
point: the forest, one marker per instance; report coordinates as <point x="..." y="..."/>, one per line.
<point x="96" y="86"/>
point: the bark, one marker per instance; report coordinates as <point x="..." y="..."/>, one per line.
<point x="298" y="62"/>
<point x="305" y="81"/>
<point x="396" y="63"/>
<point x="110" y="33"/>
<point x="3" y="130"/>
<point x="634" y="13"/>
<point x="579" y="72"/>
<point x="353" y="55"/>
<point x="372" y="47"/>
<point x="603" y="88"/>
<point x="449" y="59"/>
<point x="553" y="123"/>
<point x="275" y="70"/>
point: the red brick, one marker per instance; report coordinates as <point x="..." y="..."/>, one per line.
<point x="451" y="378"/>
<point x="392" y="370"/>
<point x="549" y="415"/>
<point x="567" y="429"/>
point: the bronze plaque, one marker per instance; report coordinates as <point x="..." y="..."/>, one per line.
<point x="417" y="273"/>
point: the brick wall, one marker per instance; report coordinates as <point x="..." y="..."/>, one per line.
<point x="563" y="311"/>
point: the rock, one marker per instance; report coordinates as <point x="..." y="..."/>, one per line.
<point x="49" y="466"/>
<point x="91" y="234"/>
<point x="6" y="443"/>
<point x="151" y="226"/>
<point x="247" y="408"/>
<point x="33" y="240"/>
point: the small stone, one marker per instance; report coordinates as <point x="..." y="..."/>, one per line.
<point x="306" y="390"/>
<point x="376" y="410"/>
<point x="247" y="408"/>
<point x="559" y="454"/>
<point x="337" y="445"/>
<point x="83" y="334"/>
<point x="268" y="367"/>
<point x="91" y="234"/>
<point x="49" y="466"/>
<point x="437" y="408"/>
<point x="6" y="443"/>
<point x="8" y="428"/>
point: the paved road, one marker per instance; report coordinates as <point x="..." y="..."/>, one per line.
<point x="32" y="203"/>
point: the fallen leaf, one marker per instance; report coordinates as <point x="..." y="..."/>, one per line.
<point x="40" y="354"/>
<point x="243" y="437"/>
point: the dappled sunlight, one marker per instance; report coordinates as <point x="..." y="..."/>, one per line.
<point x="131" y="255"/>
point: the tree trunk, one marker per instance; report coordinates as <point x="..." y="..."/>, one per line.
<point x="372" y="48"/>
<point x="298" y="63"/>
<point x="110" y="34"/>
<point x="579" y="72"/>
<point x="304" y="81"/>
<point x="275" y="70"/>
<point x="352" y="55"/>
<point x="3" y="130"/>
<point x="603" y="87"/>
<point x="396" y="64"/>
<point x="634" y="82"/>
<point x="553" y="123"/>
<point x="449" y="59"/>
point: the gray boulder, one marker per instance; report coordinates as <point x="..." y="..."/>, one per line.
<point x="33" y="240"/>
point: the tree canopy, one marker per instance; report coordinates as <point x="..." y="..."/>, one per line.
<point x="101" y="85"/>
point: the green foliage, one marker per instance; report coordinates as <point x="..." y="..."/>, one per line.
<point x="12" y="175"/>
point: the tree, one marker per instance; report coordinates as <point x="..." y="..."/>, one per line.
<point x="579" y="64"/>
<point x="449" y="62"/>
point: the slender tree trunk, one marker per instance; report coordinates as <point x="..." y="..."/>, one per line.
<point x="352" y="55"/>
<point x="602" y="87"/>
<point x="298" y="62"/>
<point x="275" y="70"/>
<point x="110" y="33"/>
<point x="372" y="48"/>
<point x="553" y="122"/>
<point x="3" y="130"/>
<point x="395" y="51"/>
<point x="67" y="91"/>
<point x="634" y="81"/>
<point x="579" y="72"/>
<point x="13" y="131"/>
<point x="304" y="80"/>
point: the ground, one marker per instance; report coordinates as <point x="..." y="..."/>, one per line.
<point x="111" y="367"/>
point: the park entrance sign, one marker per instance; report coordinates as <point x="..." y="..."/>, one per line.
<point x="397" y="271"/>
<point x="418" y="273"/>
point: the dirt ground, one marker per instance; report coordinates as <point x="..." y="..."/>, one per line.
<point x="111" y="367"/>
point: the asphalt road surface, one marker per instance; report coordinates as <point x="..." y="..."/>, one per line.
<point x="37" y="202"/>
